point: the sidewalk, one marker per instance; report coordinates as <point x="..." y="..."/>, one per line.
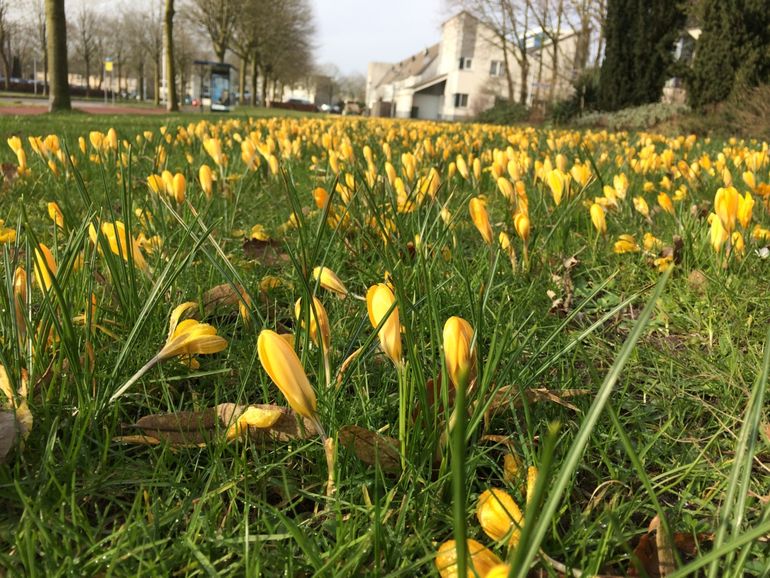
<point x="11" y="106"/>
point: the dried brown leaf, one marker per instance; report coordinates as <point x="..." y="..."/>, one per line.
<point x="10" y="173"/>
<point x="664" y="546"/>
<point x="8" y="433"/>
<point x="182" y="428"/>
<point x="137" y="440"/>
<point x="655" y="553"/>
<point x="196" y="428"/>
<point x="510" y="394"/>
<point x="267" y="253"/>
<point x="372" y="448"/>
<point x="224" y="296"/>
<point x="286" y="428"/>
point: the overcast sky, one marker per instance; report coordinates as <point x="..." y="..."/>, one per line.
<point x="351" y="33"/>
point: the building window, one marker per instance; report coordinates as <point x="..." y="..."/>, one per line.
<point x="496" y="68"/>
<point x="465" y="63"/>
<point x="461" y="100"/>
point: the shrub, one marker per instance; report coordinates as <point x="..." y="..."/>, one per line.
<point x="504" y="113"/>
<point x="585" y="98"/>
<point x="642" y="117"/>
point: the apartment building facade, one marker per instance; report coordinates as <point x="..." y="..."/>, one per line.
<point x="464" y="74"/>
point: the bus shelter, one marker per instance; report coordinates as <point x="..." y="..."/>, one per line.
<point x="214" y="86"/>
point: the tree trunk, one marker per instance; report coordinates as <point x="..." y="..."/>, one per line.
<point x="264" y="86"/>
<point x="254" y="80"/>
<point x="555" y="56"/>
<point x="156" y="87"/>
<point x="88" y="77"/>
<point x="7" y="66"/>
<point x="140" y="91"/>
<point x="523" y="93"/>
<point x="172" y="103"/>
<point x="539" y="82"/>
<point x="242" y="79"/>
<point x="56" y="48"/>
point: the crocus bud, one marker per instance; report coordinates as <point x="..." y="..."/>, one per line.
<point x="597" y="218"/>
<point x="329" y="281"/>
<point x="178" y="187"/>
<point x="499" y="516"/>
<point x="480" y="560"/>
<point x="522" y="226"/>
<point x="480" y="218"/>
<point x="284" y="368"/>
<point x="556" y="184"/>
<point x="379" y="301"/>
<point x="460" y="358"/>
<point x="45" y="267"/>
<point x="206" y="178"/>
<point x="319" y="323"/>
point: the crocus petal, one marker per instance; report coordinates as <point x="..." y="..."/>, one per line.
<point x="284" y="368"/>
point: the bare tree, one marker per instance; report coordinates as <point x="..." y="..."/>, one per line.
<point x="5" y="41"/>
<point x="38" y="17"/>
<point x="56" y="25"/>
<point x="510" y="23"/>
<point x="87" y="41"/>
<point x="218" y="18"/>
<point x="185" y="43"/>
<point x="137" y="54"/>
<point x="284" y="53"/>
<point x="172" y="103"/>
<point x="245" y="41"/>
<point x="154" y="40"/>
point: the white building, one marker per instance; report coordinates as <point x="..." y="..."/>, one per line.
<point x="464" y="74"/>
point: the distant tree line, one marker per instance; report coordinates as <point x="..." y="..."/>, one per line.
<point x="271" y="42"/>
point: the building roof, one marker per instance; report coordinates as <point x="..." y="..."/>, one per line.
<point x="412" y="66"/>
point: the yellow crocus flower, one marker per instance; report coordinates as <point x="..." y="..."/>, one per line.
<point x="283" y="366"/>
<point x="45" y="267"/>
<point x="460" y="357"/>
<point x="480" y="560"/>
<point x="726" y="203"/>
<point x="626" y="244"/>
<point x="745" y="208"/>
<point x="328" y="280"/>
<point x="480" y="218"/>
<point x="598" y="219"/>
<point x="499" y="516"/>
<point x="380" y="303"/>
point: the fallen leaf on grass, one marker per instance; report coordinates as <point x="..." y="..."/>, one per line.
<point x="10" y="173"/>
<point x="510" y="394"/>
<point x="655" y="551"/>
<point x="267" y="253"/>
<point x="264" y="423"/>
<point x="372" y="448"/>
<point x="137" y="440"/>
<point x="8" y="433"/>
<point x="223" y="296"/>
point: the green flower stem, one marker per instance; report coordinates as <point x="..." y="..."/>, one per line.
<point x="147" y="366"/>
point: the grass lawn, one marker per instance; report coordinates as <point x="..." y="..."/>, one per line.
<point x="608" y="379"/>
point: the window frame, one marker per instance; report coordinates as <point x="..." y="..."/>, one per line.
<point x="460" y="100"/>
